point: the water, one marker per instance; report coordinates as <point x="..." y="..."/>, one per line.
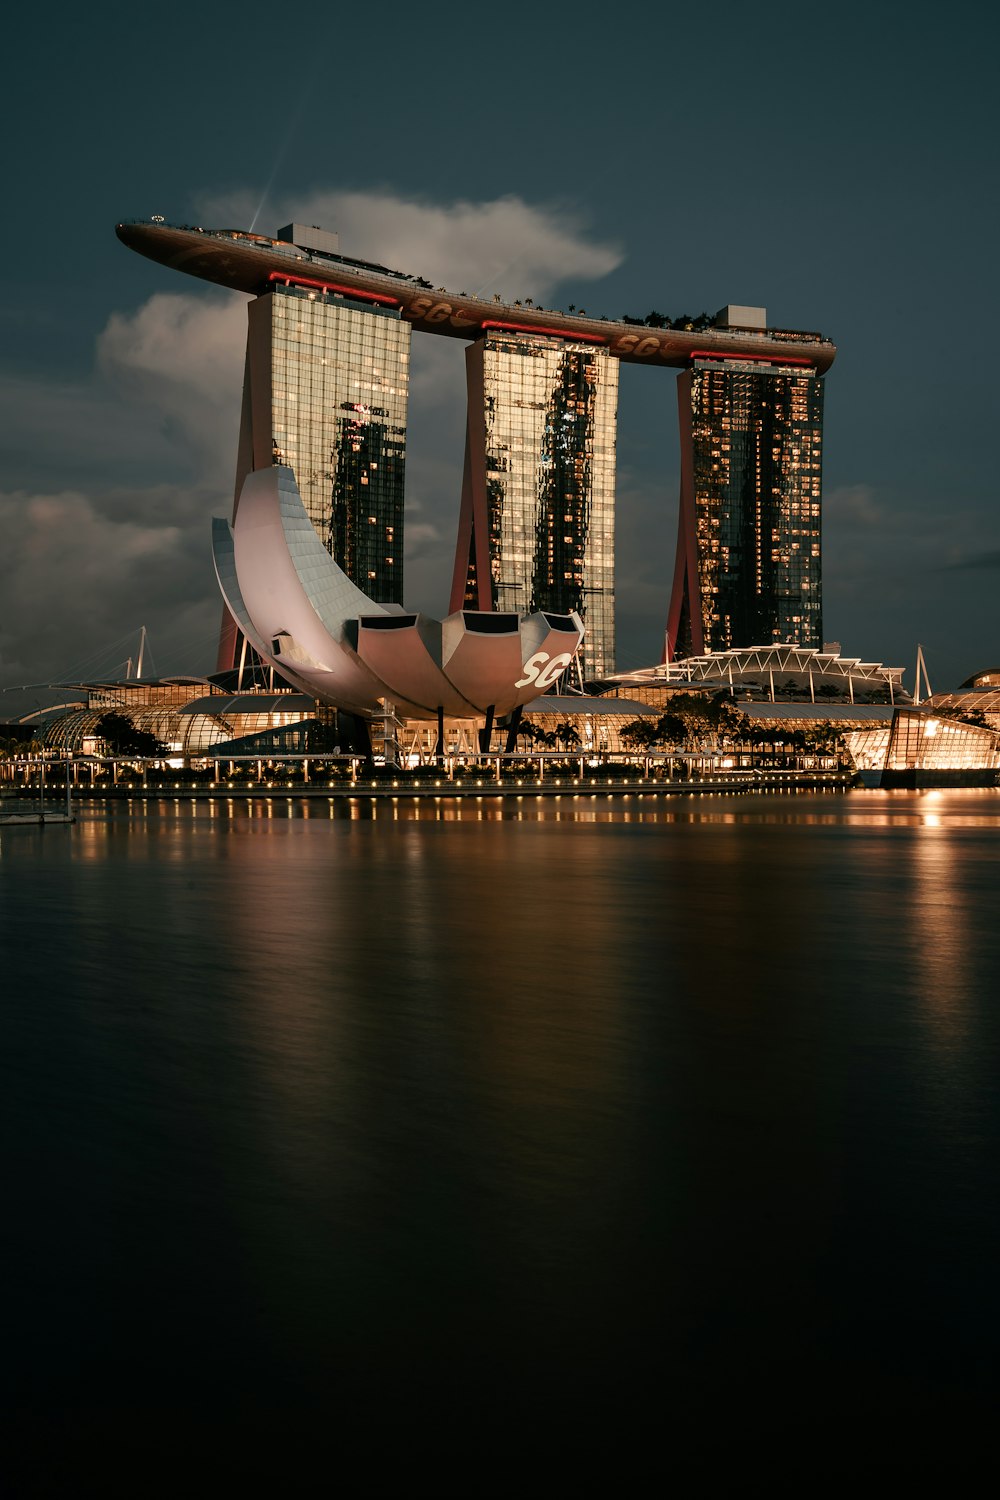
<point x="602" y="1110"/>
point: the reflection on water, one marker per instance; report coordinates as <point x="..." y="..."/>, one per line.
<point x="612" y="1100"/>
<point x="967" y="808"/>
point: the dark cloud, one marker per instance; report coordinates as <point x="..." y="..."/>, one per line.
<point x="76" y="574"/>
<point x="139" y="456"/>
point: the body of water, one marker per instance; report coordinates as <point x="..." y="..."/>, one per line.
<point x="482" y="1110"/>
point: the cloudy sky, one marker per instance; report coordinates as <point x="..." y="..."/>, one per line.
<point x="836" y="168"/>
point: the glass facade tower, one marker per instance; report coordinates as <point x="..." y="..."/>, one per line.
<point x="340" y="378"/>
<point x="748" y="569"/>
<point x="537" y="521"/>
<point x="325" y="391"/>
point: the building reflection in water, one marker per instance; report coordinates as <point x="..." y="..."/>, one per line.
<point x="395" y="1086"/>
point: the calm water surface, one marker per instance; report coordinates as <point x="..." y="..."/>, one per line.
<point x="570" y="1106"/>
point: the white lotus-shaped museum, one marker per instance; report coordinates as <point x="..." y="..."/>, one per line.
<point x="305" y="617"/>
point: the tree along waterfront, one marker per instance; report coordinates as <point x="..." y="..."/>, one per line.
<point x="547" y="771"/>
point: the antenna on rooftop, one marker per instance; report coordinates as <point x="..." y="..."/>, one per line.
<point x="921" y="672"/>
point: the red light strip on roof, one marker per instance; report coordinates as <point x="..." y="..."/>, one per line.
<point x="559" y="333"/>
<point x="333" y="286"/>
<point x="754" y="359"/>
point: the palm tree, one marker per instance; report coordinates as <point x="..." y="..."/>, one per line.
<point x="639" y="734"/>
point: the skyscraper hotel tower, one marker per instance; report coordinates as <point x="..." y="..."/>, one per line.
<point x="325" y="391"/>
<point x="536" y="530"/>
<point x="325" y="394"/>
<point x="748" y="569"/>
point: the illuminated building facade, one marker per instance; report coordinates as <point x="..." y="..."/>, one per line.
<point x="922" y="748"/>
<point x="536" y="530"/>
<point x="777" y="673"/>
<point x="748" y="570"/>
<point x="326" y="393"/>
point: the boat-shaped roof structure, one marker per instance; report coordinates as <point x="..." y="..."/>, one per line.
<point x="252" y="263"/>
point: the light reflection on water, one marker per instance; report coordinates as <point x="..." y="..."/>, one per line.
<point x="967" y="808"/>
<point x="340" y="1094"/>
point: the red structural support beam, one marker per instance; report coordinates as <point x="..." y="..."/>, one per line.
<point x="750" y="359"/>
<point x="558" y="333"/>
<point x="333" y="286"/>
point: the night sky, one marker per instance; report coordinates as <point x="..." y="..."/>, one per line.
<point x="833" y="164"/>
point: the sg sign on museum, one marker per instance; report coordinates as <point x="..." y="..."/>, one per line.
<point x="536" y="671"/>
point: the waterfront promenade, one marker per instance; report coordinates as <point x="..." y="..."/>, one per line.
<point x="337" y="777"/>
